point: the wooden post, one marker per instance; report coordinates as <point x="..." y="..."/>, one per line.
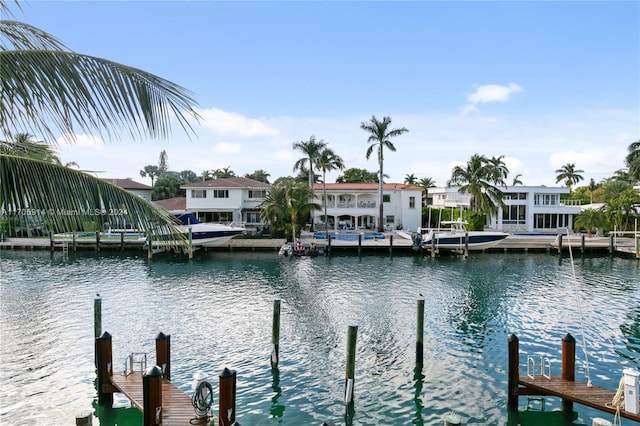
<point x="152" y="396"/>
<point x="190" y="243"/>
<point x="121" y="240"/>
<point x="227" y="398"/>
<point x="433" y="246"/>
<point x="275" y="334"/>
<point x="582" y="243"/>
<point x="611" y="243"/>
<point x="105" y="368"/>
<point x="349" y="379"/>
<point x="74" y="242"/>
<point x="97" y="240"/>
<point x="637" y="242"/>
<point x="84" y="419"/>
<point x="514" y="370"/>
<point x="329" y="246"/>
<point x="51" y="244"/>
<point x="163" y="354"/>
<point x="420" y="333"/>
<point x="391" y="244"/>
<point x="149" y="247"/>
<point x="359" y="243"/>
<point x="559" y="243"/>
<point x="568" y="364"/>
<point x="466" y="245"/>
<point x="97" y="316"/>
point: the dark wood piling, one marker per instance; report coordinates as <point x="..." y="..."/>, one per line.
<point x="612" y="247"/>
<point x="420" y="333"/>
<point x="275" y="334"/>
<point x="349" y="379"/>
<point x="97" y="316"/>
<point x="359" y="244"/>
<point x="227" y="398"/>
<point x="391" y="244"/>
<point x="466" y="245"/>
<point x="514" y="370"/>
<point x="152" y="396"/>
<point x="163" y="354"/>
<point x="97" y="240"/>
<point x="433" y="247"/>
<point x="104" y="359"/>
<point x="568" y="364"/>
<point x="559" y="243"/>
<point x="582" y="243"/>
<point x="74" y="241"/>
<point x="121" y="240"/>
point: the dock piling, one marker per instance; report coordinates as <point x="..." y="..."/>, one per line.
<point x="227" y="398"/>
<point x="97" y="240"/>
<point x="104" y="358"/>
<point x="568" y="364"/>
<point x="275" y="334"/>
<point x="349" y="380"/>
<point x="152" y="396"/>
<point x="559" y="243"/>
<point x="163" y="354"/>
<point x="466" y="245"/>
<point x="391" y="244"/>
<point x="420" y="333"/>
<point x="97" y="316"/>
<point x="514" y="370"/>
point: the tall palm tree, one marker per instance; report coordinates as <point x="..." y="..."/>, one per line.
<point x="477" y="178"/>
<point x="517" y="180"/>
<point x="426" y="183"/>
<point x="327" y="161"/>
<point x="410" y="179"/>
<point x="152" y="171"/>
<point x="380" y="135"/>
<point x="569" y="174"/>
<point x="49" y="89"/>
<point x="632" y="160"/>
<point x="288" y="200"/>
<point x="499" y="170"/>
<point x="311" y="149"/>
<point x="24" y="145"/>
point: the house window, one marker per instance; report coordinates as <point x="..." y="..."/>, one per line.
<point x="546" y="199"/>
<point x="515" y="214"/>
<point x="515" y="196"/>
<point x="390" y="220"/>
<point x="386" y="198"/>
<point x="257" y="193"/>
<point x="550" y="220"/>
<point x="253" y="217"/>
<point x="220" y="193"/>
<point x="412" y="202"/>
<point x="198" y="193"/>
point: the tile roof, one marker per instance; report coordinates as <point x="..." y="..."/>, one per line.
<point x="127" y="183"/>
<point x="232" y="182"/>
<point x="366" y="186"/>
<point x="177" y="203"/>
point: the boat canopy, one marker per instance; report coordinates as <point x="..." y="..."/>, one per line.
<point x="187" y="218"/>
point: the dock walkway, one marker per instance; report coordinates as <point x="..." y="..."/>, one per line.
<point x="177" y="407"/>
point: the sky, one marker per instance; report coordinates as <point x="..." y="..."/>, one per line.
<point x="541" y="83"/>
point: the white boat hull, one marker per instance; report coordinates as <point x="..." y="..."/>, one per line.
<point x="477" y="240"/>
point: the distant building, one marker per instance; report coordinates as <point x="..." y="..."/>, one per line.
<point x="176" y="204"/>
<point x="355" y="206"/>
<point x="131" y="185"/>
<point x="535" y="209"/>
<point x="234" y="199"/>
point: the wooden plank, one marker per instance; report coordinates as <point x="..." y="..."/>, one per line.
<point x="177" y="408"/>
<point x="590" y="396"/>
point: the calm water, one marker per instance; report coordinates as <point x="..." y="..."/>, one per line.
<point x="218" y="311"/>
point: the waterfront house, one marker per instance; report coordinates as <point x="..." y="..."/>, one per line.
<point x="131" y="185"/>
<point x="526" y="209"/>
<point x="234" y="199"/>
<point x="355" y="206"/>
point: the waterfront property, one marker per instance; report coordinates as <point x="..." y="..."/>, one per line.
<point x="352" y="206"/>
<point x="137" y="188"/>
<point x="527" y="209"/>
<point x="226" y="200"/>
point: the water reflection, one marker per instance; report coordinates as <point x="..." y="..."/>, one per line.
<point x="418" y="381"/>
<point x="276" y="410"/>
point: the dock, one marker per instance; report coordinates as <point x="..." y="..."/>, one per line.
<point x="539" y="381"/>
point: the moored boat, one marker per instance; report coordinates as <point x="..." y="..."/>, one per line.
<point x="453" y="235"/>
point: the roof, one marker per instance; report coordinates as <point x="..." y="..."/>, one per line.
<point x="366" y="187"/>
<point x="232" y="182"/>
<point x="127" y="183"/>
<point x="171" y="204"/>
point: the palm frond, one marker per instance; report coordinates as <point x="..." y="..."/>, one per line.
<point x="61" y="199"/>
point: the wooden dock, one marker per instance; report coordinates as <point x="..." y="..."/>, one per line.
<point x="177" y="407"/>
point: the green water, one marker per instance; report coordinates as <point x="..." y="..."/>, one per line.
<point x="218" y="311"/>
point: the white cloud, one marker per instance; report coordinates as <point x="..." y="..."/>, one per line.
<point x="234" y="124"/>
<point x="88" y="141"/>
<point x="226" y="148"/>
<point x="489" y="93"/>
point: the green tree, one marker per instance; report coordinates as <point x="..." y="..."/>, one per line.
<point x="355" y="175"/>
<point x="151" y="171"/>
<point x="224" y="173"/>
<point x="167" y="186"/>
<point x="411" y="179"/>
<point x="621" y="210"/>
<point x="380" y="135"/>
<point x="49" y="89"/>
<point x="499" y="170"/>
<point x="206" y="175"/>
<point x="632" y="160"/>
<point x="589" y="220"/>
<point x="311" y="150"/>
<point x="188" y="176"/>
<point x="287" y="202"/>
<point x="163" y="162"/>
<point x="477" y="179"/>
<point x="259" y="175"/>
<point x="569" y="174"/>
<point x="327" y="161"/>
<point x="516" y="180"/>
<point x="24" y="145"/>
<point x="426" y="184"/>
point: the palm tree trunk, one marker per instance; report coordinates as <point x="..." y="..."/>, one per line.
<point x="380" y="195"/>
<point x="311" y="182"/>
<point x="324" y="199"/>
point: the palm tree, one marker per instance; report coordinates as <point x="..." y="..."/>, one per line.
<point x="569" y="175"/>
<point x="152" y="171"/>
<point x="425" y="184"/>
<point x="48" y="89"/>
<point x="380" y="137"/>
<point x="410" y="179"/>
<point x="311" y="149"/>
<point x="592" y="187"/>
<point x="589" y="220"/>
<point x="499" y="170"/>
<point x="327" y="161"/>
<point x="477" y="179"/>
<point x="632" y="160"/>
<point x="259" y="175"/>
<point x="24" y="145"/>
<point x="288" y="200"/>
<point x="516" y="180"/>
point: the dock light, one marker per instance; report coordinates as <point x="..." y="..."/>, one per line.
<point x="631" y="402"/>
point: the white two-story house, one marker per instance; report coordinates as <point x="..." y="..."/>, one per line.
<point x="355" y="206"/>
<point x="234" y="199"/>
<point x="527" y="209"/>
